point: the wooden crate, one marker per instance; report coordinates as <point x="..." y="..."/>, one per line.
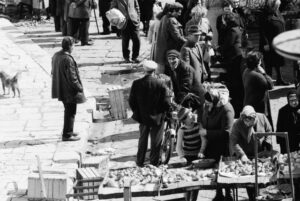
<point x="117" y="102"/>
<point x="55" y="185"/>
<point x="88" y="182"/>
<point x="100" y="163"/>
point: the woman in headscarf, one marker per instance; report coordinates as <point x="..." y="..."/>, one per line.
<point x="242" y="139"/>
<point x="216" y="120"/>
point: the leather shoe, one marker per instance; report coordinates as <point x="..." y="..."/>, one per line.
<point x="72" y="138"/>
<point x="136" y="61"/>
<point x="73" y="134"/>
<point x="127" y="60"/>
<point x="105" y="33"/>
<point x="89" y="44"/>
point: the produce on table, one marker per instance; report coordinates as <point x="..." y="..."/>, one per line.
<point x="238" y="168"/>
<point x="154" y="175"/>
<point x="275" y="192"/>
<point x="295" y="162"/>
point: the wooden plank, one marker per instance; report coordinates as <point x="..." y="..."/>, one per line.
<point x="90" y="183"/>
<point x="43" y="188"/>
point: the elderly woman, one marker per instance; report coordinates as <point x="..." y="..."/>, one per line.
<point x="272" y="25"/>
<point x="217" y="119"/>
<point x="242" y="139"/>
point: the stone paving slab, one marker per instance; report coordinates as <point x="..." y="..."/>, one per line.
<point x="31" y="125"/>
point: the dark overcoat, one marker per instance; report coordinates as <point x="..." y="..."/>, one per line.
<point x="169" y="36"/>
<point x="82" y="9"/>
<point x="289" y="121"/>
<point x="148" y="100"/>
<point x="192" y="54"/>
<point x="66" y="81"/>
<point x="146" y="7"/>
<point x="185" y="79"/>
<point x="218" y="124"/>
<point x="272" y="25"/>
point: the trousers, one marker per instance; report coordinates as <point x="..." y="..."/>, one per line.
<point x="69" y="118"/>
<point x="156" y="134"/>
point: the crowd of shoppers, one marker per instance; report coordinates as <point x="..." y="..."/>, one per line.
<point x="185" y="37"/>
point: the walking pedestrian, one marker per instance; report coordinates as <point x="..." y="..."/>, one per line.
<point x="131" y="10"/>
<point x="149" y="102"/>
<point x="67" y="86"/>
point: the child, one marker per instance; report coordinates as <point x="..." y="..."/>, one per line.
<point x="190" y="145"/>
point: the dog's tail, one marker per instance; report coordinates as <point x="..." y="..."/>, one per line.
<point x="17" y="75"/>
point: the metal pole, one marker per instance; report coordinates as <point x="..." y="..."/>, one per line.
<point x="96" y="17"/>
<point x="256" y="170"/>
<point x="290" y="168"/>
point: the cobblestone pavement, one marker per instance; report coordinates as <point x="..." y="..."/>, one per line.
<point x="33" y="123"/>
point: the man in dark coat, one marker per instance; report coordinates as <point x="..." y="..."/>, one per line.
<point x="67" y="86"/>
<point x="289" y="121"/>
<point x="81" y="19"/>
<point x="57" y="11"/>
<point x="185" y="79"/>
<point x="131" y="10"/>
<point x="149" y="102"/>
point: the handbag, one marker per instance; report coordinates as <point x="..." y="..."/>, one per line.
<point x="80" y="98"/>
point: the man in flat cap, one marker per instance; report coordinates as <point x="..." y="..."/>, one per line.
<point x="185" y="79"/>
<point x="191" y="51"/>
<point x="149" y="102"/>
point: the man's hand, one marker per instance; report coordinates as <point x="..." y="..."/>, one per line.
<point x="244" y="158"/>
<point x="201" y="155"/>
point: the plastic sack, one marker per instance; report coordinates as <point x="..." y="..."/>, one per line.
<point x="116" y="18"/>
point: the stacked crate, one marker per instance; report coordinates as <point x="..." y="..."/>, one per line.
<point x="88" y="182"/>
<point x="55" y="186"/>
<point x="98" y="162"/>
<point x="117" y="102"/>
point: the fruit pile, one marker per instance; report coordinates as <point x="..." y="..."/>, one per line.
<point x="154" y="175"/>
<point x="238" y="168"/>
<point x="295" y="161"/>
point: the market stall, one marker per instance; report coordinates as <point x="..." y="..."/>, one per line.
<point x="155" y="181"/>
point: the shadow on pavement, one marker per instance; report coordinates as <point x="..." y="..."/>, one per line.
<point x="117" y="137"/>
<point x="20" y="143"/>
